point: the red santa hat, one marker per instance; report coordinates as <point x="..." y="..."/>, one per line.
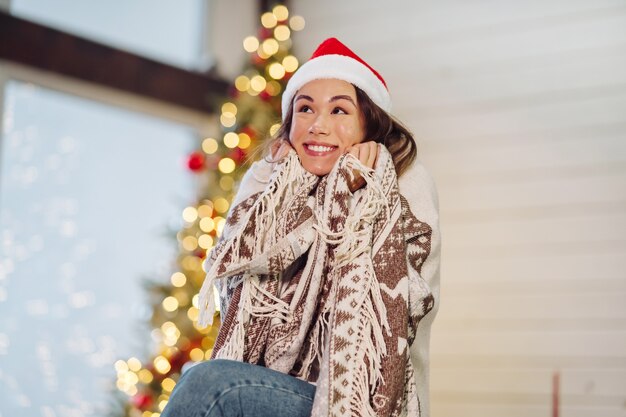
<point x="333" y="59"/>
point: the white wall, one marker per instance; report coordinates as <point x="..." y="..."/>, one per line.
<point x="519" y="109"/>
<point x="231" y="22"/>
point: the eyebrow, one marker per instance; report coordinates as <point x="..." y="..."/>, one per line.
<point x="332" y="99"/>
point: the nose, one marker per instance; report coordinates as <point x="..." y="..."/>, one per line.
<point x="319" y="126"/>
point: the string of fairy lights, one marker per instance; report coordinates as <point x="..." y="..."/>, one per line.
<point x="180" y="341"/>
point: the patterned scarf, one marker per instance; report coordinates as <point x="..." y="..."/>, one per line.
<point x="323" y="283"/>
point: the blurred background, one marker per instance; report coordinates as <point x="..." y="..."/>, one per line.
<point x="126" y="125"/>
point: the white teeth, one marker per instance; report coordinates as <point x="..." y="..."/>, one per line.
<point x="320" y="148"/>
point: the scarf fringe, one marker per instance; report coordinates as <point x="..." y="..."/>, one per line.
<point x="355" y="238"/>
<point x="284" y="184"/>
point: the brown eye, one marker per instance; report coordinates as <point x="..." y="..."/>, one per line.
<point x="304" y="109"/>
<point x="339" y="110"/>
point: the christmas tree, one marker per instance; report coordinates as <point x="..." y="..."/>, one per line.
<point x="249" y="115"/>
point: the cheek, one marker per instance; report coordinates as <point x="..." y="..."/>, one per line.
<point x="295" y="133"/>
<point x="350" y="133"/>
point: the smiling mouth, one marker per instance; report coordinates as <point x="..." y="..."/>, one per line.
<point x="319" y="150"/>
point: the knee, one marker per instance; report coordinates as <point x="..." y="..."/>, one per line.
<point x="209" y="372"/>
<point x="198" y="388"/>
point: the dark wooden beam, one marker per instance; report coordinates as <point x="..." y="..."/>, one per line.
<point x="48" y="49"/>
<point x="267" y="5"/>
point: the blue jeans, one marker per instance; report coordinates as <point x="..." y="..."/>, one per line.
<point x="230" y="388"/>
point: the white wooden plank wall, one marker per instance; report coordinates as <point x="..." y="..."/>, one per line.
<point x="519" y="108"/>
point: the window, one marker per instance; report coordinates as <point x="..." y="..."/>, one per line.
<point x="167" y="31"/>
<point x="86" y="195"/>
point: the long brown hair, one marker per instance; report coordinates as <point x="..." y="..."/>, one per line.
<point x="380" y="127"/>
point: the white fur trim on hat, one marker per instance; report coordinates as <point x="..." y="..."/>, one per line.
<point x="342" y="68"/>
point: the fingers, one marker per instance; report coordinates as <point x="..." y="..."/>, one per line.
<point x="366" y="153"/>
<point x="279" y="149"/>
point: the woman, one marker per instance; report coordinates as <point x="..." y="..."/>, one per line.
<point x="328" y="266"/>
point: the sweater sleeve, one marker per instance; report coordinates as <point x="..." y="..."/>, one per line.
<point x="254" y="180"/>
<point x="418" y="187"/>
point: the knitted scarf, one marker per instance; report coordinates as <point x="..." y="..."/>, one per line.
<point x="323" y="283"/>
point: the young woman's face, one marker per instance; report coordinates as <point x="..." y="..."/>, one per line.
<point x="326" y="122"/>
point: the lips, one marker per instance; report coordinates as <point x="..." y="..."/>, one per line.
<point x="315" y="149"/>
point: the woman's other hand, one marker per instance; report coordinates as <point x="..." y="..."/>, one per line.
<point x="367" y="154"/>
<point x="279" y="149"/>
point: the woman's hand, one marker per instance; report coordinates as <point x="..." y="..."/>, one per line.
<point x="279" y="149"/>
<point x="367" y="153"/>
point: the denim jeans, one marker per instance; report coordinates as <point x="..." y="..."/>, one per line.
<point x="230" y="388"/>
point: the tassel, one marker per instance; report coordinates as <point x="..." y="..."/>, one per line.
<point x="285" y="183"/>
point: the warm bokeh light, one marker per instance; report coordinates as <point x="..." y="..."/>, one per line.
<point x="273" y="89"/>
<point x="281" y="12"/>
<point x="244" y="140"/>
<point x="282" y="32"/>
<point x="190" y="243"/>
<point x="196" y="354"/>
<point x="276" y="71"/>
<point x="227" y="120"/>
<point x="161" y="364"/>
<point x="193" y="313"/>
<point x="145" y="376"/>
<point x="274" y="128"/>
<point x="170" y="304"/>
<point x="121" y="366"/>
<point x="229" y="107"/>
<point x="221" y="205"/>
<point x="205" y="210"/>
<point x="179" y="279"/>
<point x="296" y="23"/>
<point x="268" y="20"/>
<point x="190" y="214"/>
<point x="210" y="145"/>
<point x="207" y="224"/>
<point x="168" y="384"/>
<point x="191" y="262"/>
<point x="205" y="241"/>
<point x="226" y="165"/>
<point x="219" y="224"/>
<point x="134" y="364"/>
<point x="270" y="46"/>
<point x="250" y="44"/>
<point x="262" y="54"/>
<point x="231" y="140"/>
<point x="227" y="183"/>
<point x="290" y="63"/>
<point x="242" y="83"/>
<point x="258" y="83"/>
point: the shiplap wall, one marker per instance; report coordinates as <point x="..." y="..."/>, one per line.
<point x="519" y="108"/>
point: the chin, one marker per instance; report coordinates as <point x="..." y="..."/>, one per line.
<point x="316" y="169"/>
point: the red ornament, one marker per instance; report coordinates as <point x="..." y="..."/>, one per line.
<point x="257" y="60"/>
<point x="199" y="253"/>
<point x="250" y="131"/>
<point x="233" y="92"/>
<point x="238" y="155"/>
<point x="142" y="401"/>
<point x="212" y="162"/>
<point x="264" y="33"/>
<point x="265" y="96"/>
<point x="177" y="360"/>
<point x="195" y="162"/>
